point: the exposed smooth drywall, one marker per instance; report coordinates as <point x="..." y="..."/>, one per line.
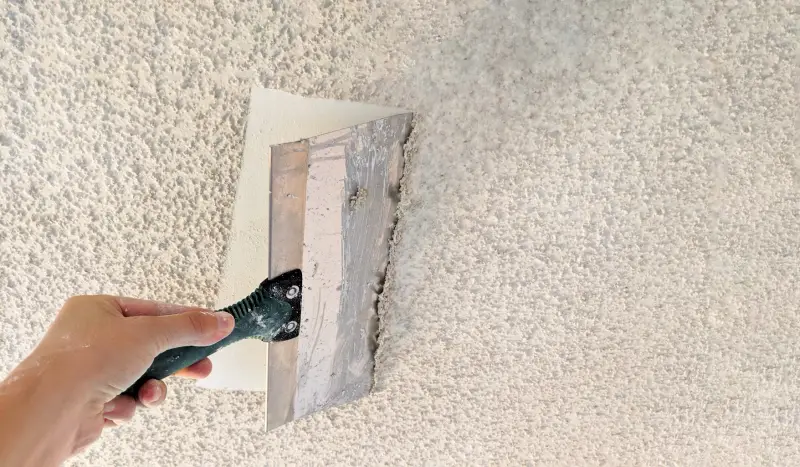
<point x="598" y="253"/>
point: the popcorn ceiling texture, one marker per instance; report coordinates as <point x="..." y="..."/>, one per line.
<point x="597" y="259"/>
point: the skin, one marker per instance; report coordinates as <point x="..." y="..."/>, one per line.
<point x="61" y="397"/>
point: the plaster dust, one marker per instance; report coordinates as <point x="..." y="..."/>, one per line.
<point x="359" y="198"/>
<point x="597" y="255"/>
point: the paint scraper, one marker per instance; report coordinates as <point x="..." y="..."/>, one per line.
<point x="271" y="314"/>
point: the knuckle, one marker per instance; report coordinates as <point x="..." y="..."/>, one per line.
<point x="199" y="323"/>
<point x="78" y="303"/>
<point x="128" y="413"/>
<point x="93" y="431"/>
<point x="75" y="302"/>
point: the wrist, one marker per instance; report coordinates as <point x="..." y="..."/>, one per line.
<point x="41" y="408"/>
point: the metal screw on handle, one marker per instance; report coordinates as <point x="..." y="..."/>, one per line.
<point x="290" y="326"/>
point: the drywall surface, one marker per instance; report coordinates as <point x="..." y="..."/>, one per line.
<point x="597" y="259"/>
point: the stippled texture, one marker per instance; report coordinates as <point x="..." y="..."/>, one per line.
<point x="598" y="253"/>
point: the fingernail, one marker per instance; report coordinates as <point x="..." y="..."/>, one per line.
<point x="156" y="393"/>
<point x="109" y="407"/>
<point x="224" y="320"/>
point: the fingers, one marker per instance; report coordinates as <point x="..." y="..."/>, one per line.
<point x="197" y="370"/>
<point x="88" y="432"/>
<point x="195" y="328"/>
<point x="122" y="408"/>
<point x="139" y="307"/>
<point x="119" y="411"/>
<point x="152" y="393"/>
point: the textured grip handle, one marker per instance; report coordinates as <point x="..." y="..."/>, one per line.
<point x="179" y="358"/>
<point x="270" y="313"/>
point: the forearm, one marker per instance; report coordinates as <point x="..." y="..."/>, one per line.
<point x="57" y="402"/>
<point x="38" y="424"/>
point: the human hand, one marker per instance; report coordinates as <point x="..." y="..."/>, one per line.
<point x="67" y="390"/>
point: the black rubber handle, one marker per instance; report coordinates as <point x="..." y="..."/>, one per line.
<point x="270" y="313"/>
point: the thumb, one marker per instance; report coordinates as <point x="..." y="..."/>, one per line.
<point x="195" y="328"/>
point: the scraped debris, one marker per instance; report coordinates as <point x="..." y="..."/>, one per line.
<point x="358" y="199"/>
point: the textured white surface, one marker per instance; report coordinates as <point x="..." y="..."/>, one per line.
<point x="598" y="255"/>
